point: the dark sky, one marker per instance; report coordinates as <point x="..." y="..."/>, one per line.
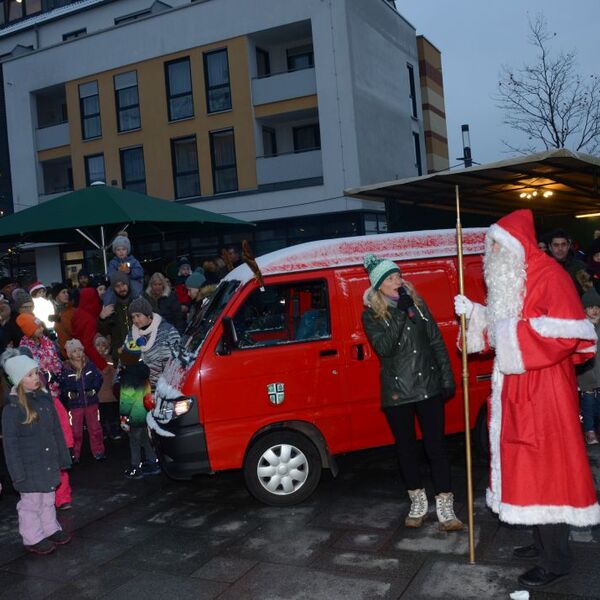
<point x="476" y="37"/>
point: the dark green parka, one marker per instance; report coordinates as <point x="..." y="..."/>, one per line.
<point x="414" y="359"/>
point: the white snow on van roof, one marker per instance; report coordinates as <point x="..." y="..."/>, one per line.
<point x="341" y="252"/>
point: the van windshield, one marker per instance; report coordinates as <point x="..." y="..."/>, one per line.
<point x="205" y="318"/>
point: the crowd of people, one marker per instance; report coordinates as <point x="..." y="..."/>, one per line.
<point x="584" y="270"/>
<point x="88" y="355"/>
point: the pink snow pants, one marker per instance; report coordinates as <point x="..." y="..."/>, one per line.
<point x="37" y="517"/>
<point x="90" y="414"/>
<point x="63" y="491"/>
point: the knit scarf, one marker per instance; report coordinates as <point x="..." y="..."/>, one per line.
<point x="148" y="333"/>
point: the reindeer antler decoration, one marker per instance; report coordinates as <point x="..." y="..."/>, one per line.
<point x="250" y="260"/>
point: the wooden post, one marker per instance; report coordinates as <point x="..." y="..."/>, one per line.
<point x="465" y="382"/>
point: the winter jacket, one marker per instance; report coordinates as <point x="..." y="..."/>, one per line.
<point x="12" y="332"/>
<point x="134" y="388"/>
<point x="156" y="357"/>
<point x="136" y="277"/>
<point x="84" y="324"/>
<point x="106" y="392"/>
<point x="577" y="270"/>
<point x="44" y="352"/>
<point x="588" y="374"/>
<point x="414" y="360"/>
<point x="168" y="307"/>
<point x="80" y="392"/>
<point x="117" y="326"/>
<point x="34" y="453"/>
<point x="63" y="325"/>
<point x="182" y="292"/>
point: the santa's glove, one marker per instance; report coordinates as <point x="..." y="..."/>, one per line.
<point x="463" y="306"/>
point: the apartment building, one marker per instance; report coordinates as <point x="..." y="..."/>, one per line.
<point x="265" y="110"/>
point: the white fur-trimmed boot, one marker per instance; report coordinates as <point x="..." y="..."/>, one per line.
<point x="444" y="506"/>
<point x="418" y="508"/>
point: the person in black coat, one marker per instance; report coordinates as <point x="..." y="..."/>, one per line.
<point x="35" y="452"/>
<point x="164" y="301"/>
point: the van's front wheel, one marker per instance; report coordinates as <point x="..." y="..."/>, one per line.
<point x="282" y="468"/>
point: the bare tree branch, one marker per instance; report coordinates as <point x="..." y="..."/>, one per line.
<point x="548" y="101"/>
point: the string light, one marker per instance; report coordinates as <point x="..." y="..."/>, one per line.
<point x="535" y="193"/>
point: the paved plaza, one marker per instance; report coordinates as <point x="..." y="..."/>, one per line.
<point x="156" y="538"/>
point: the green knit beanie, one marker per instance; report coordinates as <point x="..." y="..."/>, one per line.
<point x="378" y="269"/>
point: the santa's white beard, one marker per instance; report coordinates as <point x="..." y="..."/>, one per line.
<point x="504" y="275"/>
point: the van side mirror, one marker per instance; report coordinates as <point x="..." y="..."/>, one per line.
<point x="229" y="339"/>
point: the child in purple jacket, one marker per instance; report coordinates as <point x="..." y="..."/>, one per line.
<point x="80" y="381"/>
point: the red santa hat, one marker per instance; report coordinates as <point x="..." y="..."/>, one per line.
<point x="36" y="285"/>
<point x="516" y="232"/>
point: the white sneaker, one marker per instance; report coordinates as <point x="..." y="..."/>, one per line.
<point x="418" y="508"/>
<point x="444" y="506"/>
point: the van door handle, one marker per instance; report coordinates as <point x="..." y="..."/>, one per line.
<point x="329" y="352"/>
<point x="360" y="352"/>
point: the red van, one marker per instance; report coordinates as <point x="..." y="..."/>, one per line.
<point x="277" y="379"/>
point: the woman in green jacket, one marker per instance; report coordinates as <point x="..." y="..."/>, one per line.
<point x="416" y="378"/>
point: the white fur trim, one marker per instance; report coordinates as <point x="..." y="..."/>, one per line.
<point x="165" y="390"/>
<point x="508" y="353"/>
<point x="564" y="328"/>
<point x="494" y="492"/>
<point x="540" y="514"/>
<point x="152" y="424"/>
<point x="500" y="235"/>
<point x="476" y="329"/>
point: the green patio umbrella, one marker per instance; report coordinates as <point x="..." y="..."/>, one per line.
<point x="98" y="212"/>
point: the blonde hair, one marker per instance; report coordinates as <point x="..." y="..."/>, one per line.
<point x="30" y="413"/>
<point x="379" y="304"/>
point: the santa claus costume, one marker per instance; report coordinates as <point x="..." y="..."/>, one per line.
<point x="539" y="470"/>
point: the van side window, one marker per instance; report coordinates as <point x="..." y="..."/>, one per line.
<point x="284" y="314"/>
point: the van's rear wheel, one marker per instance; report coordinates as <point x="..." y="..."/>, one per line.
<point x="282" y="468"/>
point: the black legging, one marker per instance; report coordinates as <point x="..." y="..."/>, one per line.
<point x="431" y="419"/>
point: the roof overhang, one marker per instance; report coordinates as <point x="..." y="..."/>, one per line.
<point x="497" y="188"/>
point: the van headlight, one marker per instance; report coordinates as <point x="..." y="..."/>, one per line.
<point x="168" y="410"/>
<point x="182" y="406"/>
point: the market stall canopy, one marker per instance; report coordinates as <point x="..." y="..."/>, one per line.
<point x="85" y="211"/>
<point x="553" y="183"/>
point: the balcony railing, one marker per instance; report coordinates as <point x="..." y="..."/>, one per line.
<point x="289" y="167"/>
<point x="283" y="86"/>
<point x="52" y="136"/>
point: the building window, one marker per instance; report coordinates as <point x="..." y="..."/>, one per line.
<point x="74" y="34"/>
<point x="89" y="106"/>
<point x="418" y="163"/>
<point x="224" y="169"/>
<point x="133" y="173"/>
<point x="413" y="92"/>
<point x="127" y="100"/>
<point x="269" y="142"/>
<point x="179" y="89"/>
<point x="133" y="16"/>
<point x="94" y="169"/>
<point x="306" y="138"/>
<point x="216" y="75"/>
<point x="301" y="57"/>
<point x="263" y="63"/>
<point x="186" y="175"/>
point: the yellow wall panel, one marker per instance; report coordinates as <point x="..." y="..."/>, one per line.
<point x="156" y="131"/>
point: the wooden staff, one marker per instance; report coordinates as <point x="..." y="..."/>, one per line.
<point x="250" y="260"/>
<point x="465" y="380"/>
